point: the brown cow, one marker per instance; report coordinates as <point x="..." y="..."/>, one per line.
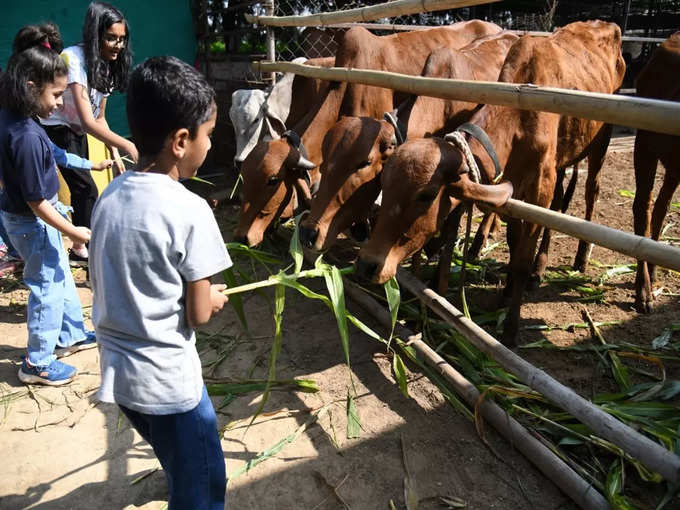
<point x="425" y="179"/>
<point x="355" y="148"/>
<point x="402" y="52"/>
<point x="657" y="80"/>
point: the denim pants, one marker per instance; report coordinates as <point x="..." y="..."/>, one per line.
<point x="188" y="447"/>
<point x="54" y="314"/>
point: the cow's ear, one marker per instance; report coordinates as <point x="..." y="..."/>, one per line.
<point x="387" y="146"/>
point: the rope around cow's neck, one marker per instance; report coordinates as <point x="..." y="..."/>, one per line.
<point x="460" y="141"/>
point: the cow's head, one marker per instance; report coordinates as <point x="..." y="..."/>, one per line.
<point x="354" y="151"/>
<point x="422" y="183"/>
<point x="253" y="119"/>
<point x="274" y="173"/>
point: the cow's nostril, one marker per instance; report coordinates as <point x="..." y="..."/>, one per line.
<point x="308" y="236"/>
<point x="241" y="239"/>
<point x="366" y="269"/>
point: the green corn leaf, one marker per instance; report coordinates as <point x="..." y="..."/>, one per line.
<point x="239" y="388"/>
<point x="198" y="179"/>
<point x="626" y="193"/>
<point x="336" y="292"/>
<point x="235" y="300"/>
<point x="295" y="248"/>
<point x="614" y="488"/>
<point x="400" y="373"/>
<point x="353" y="424"/>
<point x="393" y="299"/>
<point x="279" y="303"/>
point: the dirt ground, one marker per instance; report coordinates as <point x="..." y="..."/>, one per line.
<point x="63" y="450"/>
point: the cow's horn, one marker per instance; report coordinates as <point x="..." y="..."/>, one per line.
<point x="303" y="162"/>
<point x="494" y="194"/>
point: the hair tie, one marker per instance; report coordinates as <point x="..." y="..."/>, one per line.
<point x="46" y="44"/>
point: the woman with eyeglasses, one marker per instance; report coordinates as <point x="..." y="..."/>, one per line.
<point x="96" y="67"/>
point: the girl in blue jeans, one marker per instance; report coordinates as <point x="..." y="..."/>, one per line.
<point x="32" y="85"/>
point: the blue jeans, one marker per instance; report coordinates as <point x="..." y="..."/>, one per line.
<point x="188" y="447"/>
<point x="4" y="239"/>
<point x="54" y="315"/>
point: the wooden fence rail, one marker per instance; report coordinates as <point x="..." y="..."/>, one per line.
<point x="391" y="27"/>
<point x="651" y="454"/>
<point x="373" y="12"/>
<point x="641" y="113"/>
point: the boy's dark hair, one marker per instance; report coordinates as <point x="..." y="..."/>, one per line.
<point x="46" y="35"/>
<point x="164" y="95"/>
<point x="102" y="75"/>
<point x="36" y="63"/>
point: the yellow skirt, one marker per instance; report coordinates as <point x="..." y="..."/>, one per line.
<point x="98" y="152"/>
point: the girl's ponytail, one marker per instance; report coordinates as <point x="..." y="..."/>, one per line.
<point x="46" y="35"/>
<point x="35" y="60"/>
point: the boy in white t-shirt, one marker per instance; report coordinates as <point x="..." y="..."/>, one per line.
<point x="154" y="247"/>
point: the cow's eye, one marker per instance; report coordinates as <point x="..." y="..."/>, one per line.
<point x="273" y="180"/>
<point x="426" y="196"/>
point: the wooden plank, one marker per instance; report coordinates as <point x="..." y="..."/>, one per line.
<point x="641" y="113"/>
<point x="386" y="10"/>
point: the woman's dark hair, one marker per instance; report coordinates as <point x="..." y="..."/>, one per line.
<point x="38" y="64"/>
<point x="166" y="94"/>
<point x="46" y="35"/>
<point x="102" y="75"/>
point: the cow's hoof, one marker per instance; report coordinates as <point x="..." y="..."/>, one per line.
<point x="509" y="339"/>
<point x="643" y="306"/>
<point x="580" y="265"/>
<point x="360" y="231"/>
<point x="534" y="282"/>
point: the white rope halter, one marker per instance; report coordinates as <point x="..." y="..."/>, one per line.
<point x="458" y="139"/>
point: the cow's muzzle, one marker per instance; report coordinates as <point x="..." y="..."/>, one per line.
<point x="366" y="269"/>
<point x="308" y="236"/>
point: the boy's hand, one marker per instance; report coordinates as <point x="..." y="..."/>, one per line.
<point x="217" y="299"/>
<point x="102" y="165"/>
<point x="82" y="236"/>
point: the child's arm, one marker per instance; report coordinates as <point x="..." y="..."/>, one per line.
<point x="95" y="126"/>
<point x="203" y="301"/>
<point x="46" y="212"/>
<point x="68" y="160"/>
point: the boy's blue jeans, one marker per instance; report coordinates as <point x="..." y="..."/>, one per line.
<point x="54" y="313"/>
<point x="188" y="447"/>
<point x="4" y="239"/>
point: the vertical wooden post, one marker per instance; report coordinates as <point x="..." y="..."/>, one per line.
<point x="271" y="41"/>
<point x="626" y="13"/>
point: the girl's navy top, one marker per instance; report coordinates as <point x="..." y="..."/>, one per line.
<point x="28" y="170"/>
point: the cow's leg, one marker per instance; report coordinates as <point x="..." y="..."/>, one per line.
<point x="595" y="161"/>
<point x="481" y="235"/>
<point x="541" y="261"/>
<point x="514" y="230"/>
<point x="520" y="267"/>
<point x="449" y="235"/>
<point x="670" y="183"/>
<point x="645" y="170"/>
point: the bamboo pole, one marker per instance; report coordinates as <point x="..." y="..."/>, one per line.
<point x="386" y="10"/>
<point x="409" y="28"/>
<point x="641" y="113"/>
<point x="651" y="454"/>
<point x="638" y="247"/>
<point x="554" y="468"/>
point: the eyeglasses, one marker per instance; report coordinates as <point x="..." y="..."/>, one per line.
<point x="112" y="40"/>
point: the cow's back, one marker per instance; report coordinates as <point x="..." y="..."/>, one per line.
<point x="583" y="55"/>
<point x="307" y="91"/>
<point x="403" y="53"/>
<point x="660" y="78"/>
